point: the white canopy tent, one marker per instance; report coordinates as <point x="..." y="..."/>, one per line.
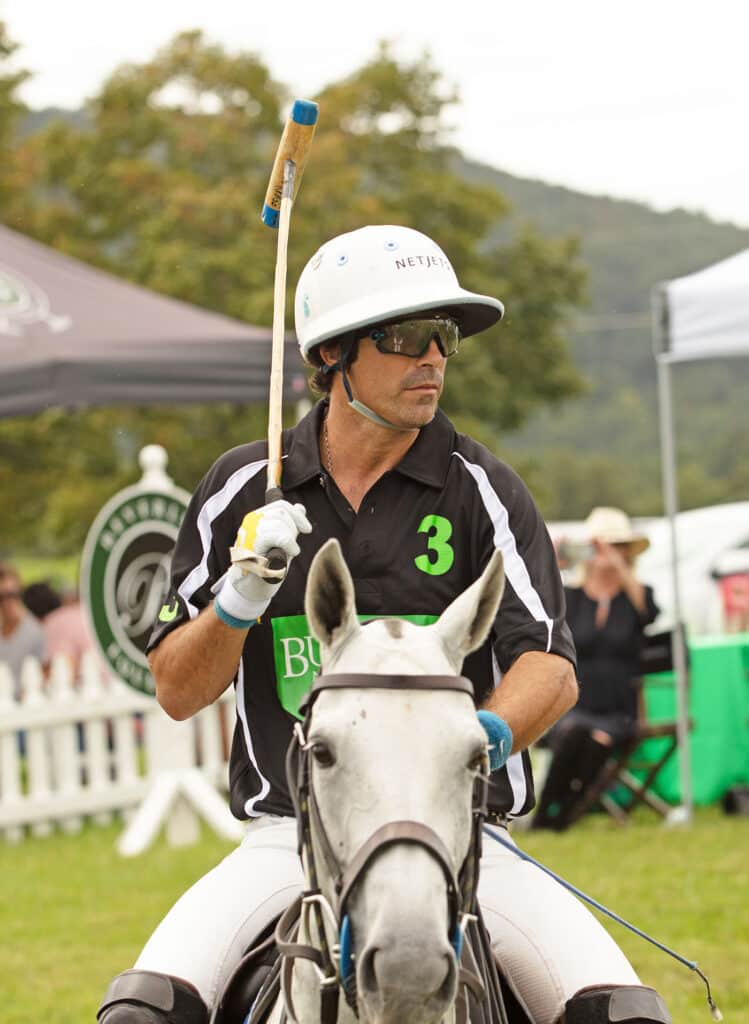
<point x="704" y="315"/>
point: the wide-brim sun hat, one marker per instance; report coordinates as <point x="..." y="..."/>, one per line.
<point x="614" y="526"/>
<point x="379" y="273"/>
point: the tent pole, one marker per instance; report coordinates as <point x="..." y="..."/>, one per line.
<point x="671" y="505"/>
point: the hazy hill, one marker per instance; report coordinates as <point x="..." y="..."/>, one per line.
<point x="623" y="241"/>
<point x="36" y="120"/>
<point x="628" y="247"/>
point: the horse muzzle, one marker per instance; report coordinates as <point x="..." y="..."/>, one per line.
<point x="405" y="984"/>
<point x="406" y="967"/>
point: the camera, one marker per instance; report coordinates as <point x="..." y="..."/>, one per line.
<point x="573" y="551"/>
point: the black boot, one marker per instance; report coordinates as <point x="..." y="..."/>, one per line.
<point x="556" y="794"/>
<point x="592" y="756"/>
<point x="145" y="997"/>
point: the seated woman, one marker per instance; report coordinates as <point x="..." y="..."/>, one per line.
<point x="607" y="614"/>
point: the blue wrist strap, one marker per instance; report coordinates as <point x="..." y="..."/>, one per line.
<point x="499" y="735"/>
<point x="231" y="620"/>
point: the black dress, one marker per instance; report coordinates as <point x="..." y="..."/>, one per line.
<point x="608" y="665"/>
<point x="608" y="657"/>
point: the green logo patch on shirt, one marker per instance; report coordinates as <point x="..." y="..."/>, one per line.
<point x="296" y="654"/>
<point x="168" y="613"/>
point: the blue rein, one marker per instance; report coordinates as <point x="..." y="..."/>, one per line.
<point x="347" y="969"/>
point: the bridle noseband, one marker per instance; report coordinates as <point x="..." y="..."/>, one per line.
<point x="335" y="966"/>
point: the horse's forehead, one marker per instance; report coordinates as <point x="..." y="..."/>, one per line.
<point x="390" y="642"/>
<point x="371" y="708"/>
<point x="396" y="632"/>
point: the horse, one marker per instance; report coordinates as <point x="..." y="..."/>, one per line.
<point x="385" y="773"/>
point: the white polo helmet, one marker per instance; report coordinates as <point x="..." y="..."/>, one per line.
<point x="378" y="273"/>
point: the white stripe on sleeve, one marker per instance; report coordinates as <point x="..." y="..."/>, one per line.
<point x="213" y="507"/>
<point x="515" y="568"/>
<point x="242" y="712"/>
<point x="518" y="784"/>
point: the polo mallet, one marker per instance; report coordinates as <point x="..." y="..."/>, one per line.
<point x="691" y="964"/>
<point x="283" y="186"/>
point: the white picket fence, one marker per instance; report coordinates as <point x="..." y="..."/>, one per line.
<point x="89" y="749"/>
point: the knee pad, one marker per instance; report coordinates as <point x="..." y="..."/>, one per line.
<point x="145" y="997"/>
<point x="620" y="1004"/>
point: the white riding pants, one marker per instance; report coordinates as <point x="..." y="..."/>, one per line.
<point x="548" y="942"/>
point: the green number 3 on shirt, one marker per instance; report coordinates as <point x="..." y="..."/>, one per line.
<point x="441" y="555"/>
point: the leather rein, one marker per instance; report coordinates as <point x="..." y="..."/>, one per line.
<point x="334" y="965"/>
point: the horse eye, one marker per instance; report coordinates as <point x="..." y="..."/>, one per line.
<point x="478" y="761"/>
<point x="323" y="754"/>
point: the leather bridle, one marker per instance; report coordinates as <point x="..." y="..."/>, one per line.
<point x="335" y="965"/>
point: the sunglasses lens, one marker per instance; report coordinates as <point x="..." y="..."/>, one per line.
<point x="413" y="337"/>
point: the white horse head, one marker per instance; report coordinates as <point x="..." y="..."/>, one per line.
<point x="379" y="756"/>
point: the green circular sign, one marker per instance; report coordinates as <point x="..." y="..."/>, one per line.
<point x="125" y="570"/>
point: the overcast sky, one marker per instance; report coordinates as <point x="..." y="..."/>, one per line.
<point x="643" y="99"/>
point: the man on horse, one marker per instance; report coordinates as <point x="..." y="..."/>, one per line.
<point x="418" y="510"/>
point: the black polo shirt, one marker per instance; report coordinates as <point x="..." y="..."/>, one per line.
<point x="423" y="533"/>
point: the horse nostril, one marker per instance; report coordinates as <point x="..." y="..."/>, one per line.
<point x="367" y="974"/>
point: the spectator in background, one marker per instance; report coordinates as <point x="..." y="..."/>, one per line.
<point x="21" y="635"/>
<point x="731" y="571"/>
<point x="67" y="632"/>
<point x="607" y="615"/>
<point x="41" y="598"/>
<point x="63" y="620"/>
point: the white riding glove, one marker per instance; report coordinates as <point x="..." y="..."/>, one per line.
<point x="245" y="591"/>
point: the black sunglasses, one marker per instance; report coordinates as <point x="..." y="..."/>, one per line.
<point x="412" y="338"/>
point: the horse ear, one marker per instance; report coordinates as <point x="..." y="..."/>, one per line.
<point x="329" y="598"/>
<point x="465" y="624"/>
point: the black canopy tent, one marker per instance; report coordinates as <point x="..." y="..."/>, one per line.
<point x="72" y="335"/>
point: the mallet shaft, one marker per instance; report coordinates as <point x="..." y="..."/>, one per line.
<point x="275" y="398"/>
<point x="284" y="182"/>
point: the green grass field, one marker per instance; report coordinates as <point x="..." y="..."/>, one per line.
<point x="73" y="913"/>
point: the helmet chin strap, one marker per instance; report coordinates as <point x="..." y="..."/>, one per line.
<point x="360" y="407"/>
<point x="363" y="409"/>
